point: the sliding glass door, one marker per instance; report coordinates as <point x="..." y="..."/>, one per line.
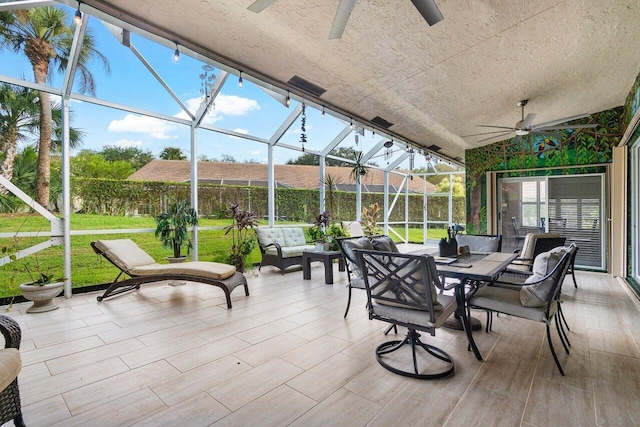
<point x="572" y="206"/>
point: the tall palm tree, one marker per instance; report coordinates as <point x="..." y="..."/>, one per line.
<point x="44" y="36"/>
<point x="18" y="117"/>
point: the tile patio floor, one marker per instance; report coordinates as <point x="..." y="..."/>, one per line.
<point x="176" y="356"/>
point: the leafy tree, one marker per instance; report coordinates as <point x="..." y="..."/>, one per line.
<point x="17" y="112"/>
<point x="172" y="153"/>
<point x="136" y="157"/>
<point x="226" y="158"/>
<point x="305" y="159"/>
<point x="43" y="35"/>
<point x="89" y="164"/>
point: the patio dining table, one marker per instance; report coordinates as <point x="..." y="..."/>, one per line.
<point x="471" y="271"/>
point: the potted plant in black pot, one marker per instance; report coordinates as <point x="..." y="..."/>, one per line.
<point x="173" y="228"/>
<point x="242" y="241"/>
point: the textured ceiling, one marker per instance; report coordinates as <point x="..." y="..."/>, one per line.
<point x="434" y="83"/>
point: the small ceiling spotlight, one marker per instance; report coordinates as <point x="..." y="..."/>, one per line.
<point x="287" y="100"/>
<point x="240" y="83"/>
<point x="373" y="132"/>
<point x="351" y="124"/>
<point x="176" y="54"/>
<point x="78" y="18"/>
<point x="322" y="115"/>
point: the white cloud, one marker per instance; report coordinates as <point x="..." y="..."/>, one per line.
<point x="124" y="143"/>
<point x="255" y="152"/>
<point x="239" y="130"/>
<point x="158" y="129"/>
<point x="231" y="105"/>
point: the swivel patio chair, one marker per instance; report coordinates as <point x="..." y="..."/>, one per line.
<point x="534" y="244"/>
<point x="537" y="298"/>
<point x="10" y="408"/>
<point x="401" y="290"/>
<point x="354" y="274"/>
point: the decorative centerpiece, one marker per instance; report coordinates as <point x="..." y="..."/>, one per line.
<point x="449" y="246"/>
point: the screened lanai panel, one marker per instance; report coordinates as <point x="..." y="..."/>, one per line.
<point x="576" y="211"/>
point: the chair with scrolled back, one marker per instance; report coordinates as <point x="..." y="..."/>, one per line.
<point x="401" y="290"/>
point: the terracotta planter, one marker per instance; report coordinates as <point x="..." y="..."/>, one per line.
<point x="42" y="296"/>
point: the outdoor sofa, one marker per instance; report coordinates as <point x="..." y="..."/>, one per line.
<point x="282" y="247"/>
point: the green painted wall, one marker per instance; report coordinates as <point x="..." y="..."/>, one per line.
<point x="582" y="147"/>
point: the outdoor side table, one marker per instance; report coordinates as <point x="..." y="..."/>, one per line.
<point x="326" y="258"/>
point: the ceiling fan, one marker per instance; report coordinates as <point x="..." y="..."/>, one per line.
<point x="525" y="126"/>
<point x="427" y="8"/>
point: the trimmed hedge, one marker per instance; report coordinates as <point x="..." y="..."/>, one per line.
<point x="112" y="197"/>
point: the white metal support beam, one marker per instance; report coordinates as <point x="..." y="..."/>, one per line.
<point x="25" y="4"/>
<point x="286" y="124"/>
<point x="271" y="175"/>
<point x="376" y="148"/>
<point x="323" y="162"/>
<point x="210" y="98"/>
<point x="194" y="185"/>
<point x="67" y="87"/>
<point x="160" y="80"/>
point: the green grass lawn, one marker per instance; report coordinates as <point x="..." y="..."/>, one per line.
<point x="90" y="269"/>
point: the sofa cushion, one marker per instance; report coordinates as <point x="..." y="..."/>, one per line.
<point x="269" y="235"/>
<point x="348" y="246"/>
<point x="293" y="236"/>
<point x="384" y="243"/>
<point x="290" y="251"/>
<point x="124" y="253"/>
<point x="536" y="290"/>
<point x="10" y="366"/>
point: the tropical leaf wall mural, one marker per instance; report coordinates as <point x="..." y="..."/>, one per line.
<point x="572" y="148"/>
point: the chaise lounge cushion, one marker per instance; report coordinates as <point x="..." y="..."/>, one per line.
<point x="128" y="256"/>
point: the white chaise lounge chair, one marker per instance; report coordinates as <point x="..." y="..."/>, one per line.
<point x="127" y="256"/>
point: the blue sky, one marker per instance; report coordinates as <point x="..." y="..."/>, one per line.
<point x="245" y="110"/>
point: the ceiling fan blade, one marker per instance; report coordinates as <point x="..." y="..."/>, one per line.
<point x="559" y="121"/>
<point x="595" y="125"/>
<point x="528" y="121"/>
<point x="494" y="137"/>
<point x="497" y="127"/>
<point x="484" y="133"/>
<point x="545" y="133"/>
<point x="342" y="16"/>
<point x="517" y="139"/>
<point x="260" y="5"/>
<point x="429" y="11"/>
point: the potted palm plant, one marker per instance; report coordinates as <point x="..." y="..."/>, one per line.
<point x="242" y="241"/>
<point x="173" y="228"/>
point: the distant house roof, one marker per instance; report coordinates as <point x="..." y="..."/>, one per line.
<point x="287" y="176"/>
